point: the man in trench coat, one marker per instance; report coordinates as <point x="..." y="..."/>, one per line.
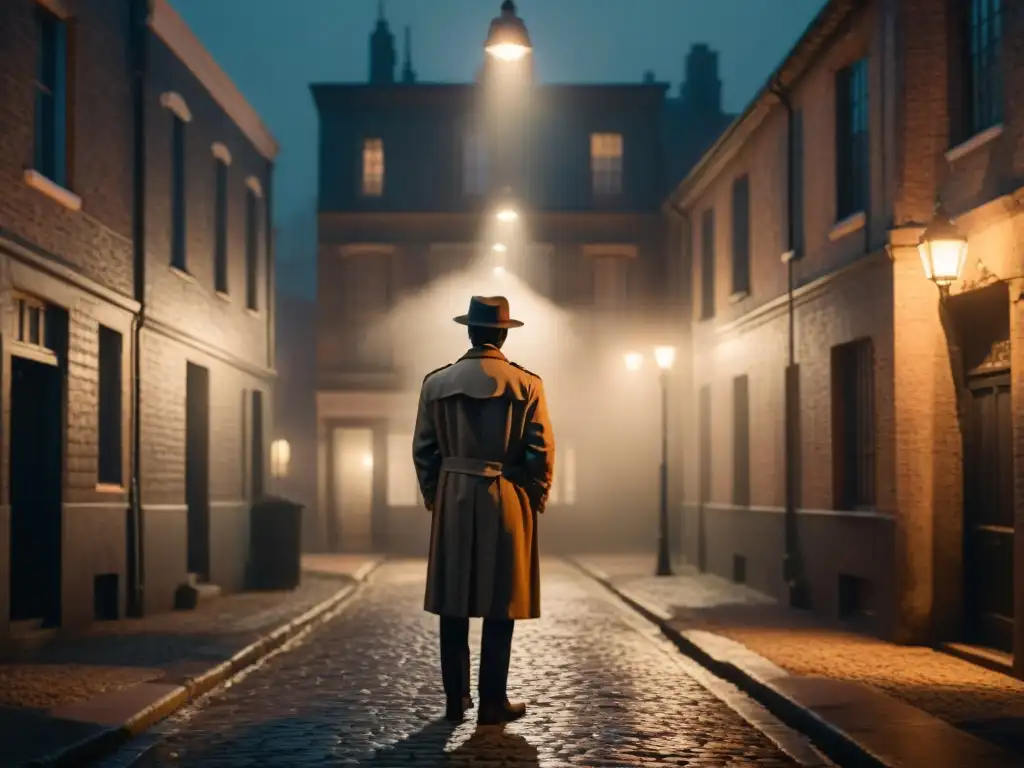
<point x="484" y="455"/>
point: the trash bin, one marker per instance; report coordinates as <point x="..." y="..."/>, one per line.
<point x="275" y="544"/>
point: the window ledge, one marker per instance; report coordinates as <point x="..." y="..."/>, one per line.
<point x="223" y="296"/>
<point x="852" y="223"/>
<point x="738" y="296"/>
<point x="973" y="144"/>
<point x="183" y="274"/>
<point x="52" y="189"/>
<point x="110" y="488"/>
<point x="252" y="312"/>
<point x="788" y="256"/>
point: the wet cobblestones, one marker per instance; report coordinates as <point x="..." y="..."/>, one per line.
<point x="365" y="690"/>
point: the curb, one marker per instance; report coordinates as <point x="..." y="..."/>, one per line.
<point x="113" y="737"/>
<point x="833" y="741"/>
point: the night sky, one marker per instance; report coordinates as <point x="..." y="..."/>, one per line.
<point x="273" y="49"/>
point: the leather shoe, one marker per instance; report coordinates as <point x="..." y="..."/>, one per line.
<point x="455" y="709"/>
<point x="497" y="712"/>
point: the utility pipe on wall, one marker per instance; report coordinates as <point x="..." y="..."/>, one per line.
<point x="792" y="563"/>
<point x="141" y="12"/>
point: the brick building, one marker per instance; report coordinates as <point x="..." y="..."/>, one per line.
<point x="886" y="467"/>
<point x="134" y="190"/>
<point x="412" y="177"/>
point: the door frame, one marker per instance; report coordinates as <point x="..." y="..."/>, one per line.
<point x="378" y="506"/>
<point x="981" y="379"/>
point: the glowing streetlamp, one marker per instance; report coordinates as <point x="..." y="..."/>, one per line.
<point x="943" y="250"/>
<point x="665" y="358"/>
<point x="507" y="38"/>
<point x="507" y="215"/>
<point x="368" y="461"/>
<point x="499" y="271"/>
<point x="499" y="248"/>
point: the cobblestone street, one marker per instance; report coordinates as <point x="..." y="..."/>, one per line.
<point x="365" y="690"/>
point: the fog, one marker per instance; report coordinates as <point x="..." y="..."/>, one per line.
<point x="606" y="418"/>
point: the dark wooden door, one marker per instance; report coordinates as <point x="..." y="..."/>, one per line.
<point x="988" y="514"/>
<point x="197" y="469"/>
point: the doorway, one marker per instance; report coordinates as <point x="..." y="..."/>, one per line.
<point x="36" y="453"/>
<point x="988" y="513"/>
<point x="197" y="469"/>
<point x="704" y="436"/>
<point x="352" y="488"/>
<point x="256" y="449"/>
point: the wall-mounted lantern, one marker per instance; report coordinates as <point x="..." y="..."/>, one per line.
<point x="280" y="458"/>
<point x="943" y="250"/>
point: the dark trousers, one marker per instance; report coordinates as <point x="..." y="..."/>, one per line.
<point x="495" y="654"/>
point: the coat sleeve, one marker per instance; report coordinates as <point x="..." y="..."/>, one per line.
<point x="426" y="452"/>
<point x="540" y="448"/>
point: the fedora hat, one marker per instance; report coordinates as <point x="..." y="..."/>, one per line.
<point x="488" y="312"/>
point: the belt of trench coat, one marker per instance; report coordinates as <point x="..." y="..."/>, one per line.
<point x="479" y="588"/>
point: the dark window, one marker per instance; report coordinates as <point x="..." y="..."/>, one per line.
<point x="852" y="151"/>
<point x="51" y="129"/>
<point x="252" y="243"/>
<point x="32" y="323"/>
<point x="797" y="169"/>
<point x="983" y="89"/>
<point x="178" y="255"/>
<point x="853" y="425"/>
<point x="109" y="411"/>
<point x="741" y="235"/>
<point x="741" y="441"/>
<point x="220" y="243"/>
<point x="707" y="264"/>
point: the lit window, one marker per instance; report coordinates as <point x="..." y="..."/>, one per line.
<point x="51" y="123"/>
<point x="606" y="163"/>
<point x="373" y="167"/>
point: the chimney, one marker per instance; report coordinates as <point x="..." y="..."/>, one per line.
<point x="382" y="50"/>
<point x="701" y="91"/>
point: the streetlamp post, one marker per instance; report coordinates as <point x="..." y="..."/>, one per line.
<point x="665" y="357"/>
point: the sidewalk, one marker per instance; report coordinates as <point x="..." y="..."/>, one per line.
<point x="863" y="699"/>
<point x="80" y="696"/>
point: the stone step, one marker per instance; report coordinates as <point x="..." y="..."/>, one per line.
<point x="29" y="634"/>
<point x="193" y="592"/>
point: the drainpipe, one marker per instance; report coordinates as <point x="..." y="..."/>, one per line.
<point x="792" y="565"/>
<point x="141" y="11"/>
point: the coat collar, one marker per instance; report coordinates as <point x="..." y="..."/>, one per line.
<point x="485" y="351"/>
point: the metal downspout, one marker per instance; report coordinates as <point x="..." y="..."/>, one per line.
<point x="141" y="11"/>
<point x="792" y="564"/>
